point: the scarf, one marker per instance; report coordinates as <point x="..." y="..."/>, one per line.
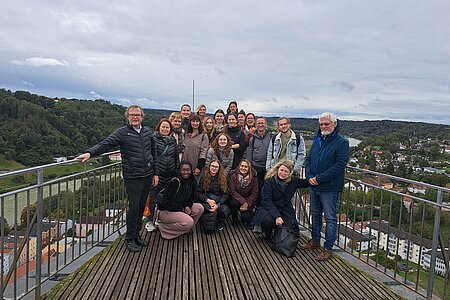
<point x="244" y="181"/>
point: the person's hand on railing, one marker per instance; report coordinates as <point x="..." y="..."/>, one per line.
<point x="83" y="157"/>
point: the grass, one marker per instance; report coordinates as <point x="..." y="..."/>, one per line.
<point x="438" y="287"/>
<point x="9" y="165"/>
<point x="20" y="181"/>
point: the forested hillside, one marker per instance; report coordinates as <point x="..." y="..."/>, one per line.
<point x="34" y="128"/>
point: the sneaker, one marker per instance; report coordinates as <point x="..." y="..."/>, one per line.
<point x="132" y="246"/>
<point x="310" y="245"/>
<point x="220" y="225"/>
<point x="140" y="242"/>
<point x="150" y="227"/>
<point x="324" y="255"/>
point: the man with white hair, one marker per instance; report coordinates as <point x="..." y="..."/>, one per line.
<point x="325" y="167"/>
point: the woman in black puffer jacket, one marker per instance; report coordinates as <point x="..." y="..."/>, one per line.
<point x="213" y="192"/>
<point x="166" y="163"/>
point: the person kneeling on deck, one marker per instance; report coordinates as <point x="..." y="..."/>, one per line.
<point x="135" y="143"/>
<point x="276" y="207"/>
<point x="325" y="167"/>
<point x="178" y="212"/>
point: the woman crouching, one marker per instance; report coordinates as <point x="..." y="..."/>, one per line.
<point x="243" y="192"/>
<point x="213" y="192"/>
<point x="276" y="207"/>
<point x="178" y="213"/>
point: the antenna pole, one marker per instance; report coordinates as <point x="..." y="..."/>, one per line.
<point x="193" y="94"/>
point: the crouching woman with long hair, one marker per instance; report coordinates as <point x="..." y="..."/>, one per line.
<point x="213" y="192"/>
<point x="178" y="210"/>
<point x="276" y="207"/>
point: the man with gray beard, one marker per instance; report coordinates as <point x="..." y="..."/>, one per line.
<point x="325" y="167"/>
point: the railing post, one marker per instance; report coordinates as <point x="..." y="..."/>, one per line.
<point x="40" y="197"/>
<point x="436" y="228"/>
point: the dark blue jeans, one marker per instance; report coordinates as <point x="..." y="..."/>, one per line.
<point x="325" y="202"/>
<point x="137" y="190"/>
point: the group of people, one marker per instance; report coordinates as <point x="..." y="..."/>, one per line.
<point x="200" y="168"/>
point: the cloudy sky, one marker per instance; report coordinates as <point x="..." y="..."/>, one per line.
<point x="359" y="59"/>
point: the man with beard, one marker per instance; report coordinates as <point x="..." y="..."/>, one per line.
<point x="325" y="167"/>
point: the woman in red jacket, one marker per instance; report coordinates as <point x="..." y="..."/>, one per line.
<point x="243" y="192"/>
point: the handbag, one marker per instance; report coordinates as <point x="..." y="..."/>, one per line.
<point x="284" y="240"/>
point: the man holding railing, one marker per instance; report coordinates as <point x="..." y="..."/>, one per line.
<point x="135" y="143"/>
<point x="325" y="167"/>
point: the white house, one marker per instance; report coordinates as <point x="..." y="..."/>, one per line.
<point x="440" y="264"/>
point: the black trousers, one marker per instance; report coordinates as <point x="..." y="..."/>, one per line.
<point x="268" y="224"/>
<point x="260" y="173"/>
<point x="137" y="190"/>
<point x="246" y="216"/>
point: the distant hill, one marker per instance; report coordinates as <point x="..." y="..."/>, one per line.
<point x="34" y="128"/>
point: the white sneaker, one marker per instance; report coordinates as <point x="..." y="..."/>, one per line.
<point x="150" y="227"/>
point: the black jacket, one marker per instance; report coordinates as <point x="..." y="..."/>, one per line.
<point x="214" y="192"/>
<point x="178" y="194"/>
<point x="238" y="137"/>
<point x="166" y="157"/>
<point x="135" y="148"/>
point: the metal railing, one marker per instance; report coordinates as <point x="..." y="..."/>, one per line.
<point x="394" y="225"/>
<point x="54" y="222"/>
<point x="384" y="221"/>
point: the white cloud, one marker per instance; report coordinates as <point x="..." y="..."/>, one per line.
<point x="285" y="57"/>
<point x="95" y="95"/>
<point x="40" y="62"/>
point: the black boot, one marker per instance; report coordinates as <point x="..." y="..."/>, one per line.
<point x="132" y="246"/>
<point x="140" y="242"/>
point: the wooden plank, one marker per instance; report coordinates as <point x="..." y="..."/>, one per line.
<point x="148" y="283"/>
<point x="199" y="266"/>
<point x="188" y="259"/>
<point x="251" y="262"/>
<point x="145" y="265"/>
<point x="231" y="264"/>
<point x="97" y="281"/>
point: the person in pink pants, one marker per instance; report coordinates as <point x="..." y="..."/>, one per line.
<point x="178" y="208"/>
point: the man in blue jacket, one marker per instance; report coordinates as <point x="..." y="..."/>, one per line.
<point x="325" y="167"/>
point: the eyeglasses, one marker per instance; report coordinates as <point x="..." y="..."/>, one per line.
<point x="134" y="115"/>
<point x="324" y="124"/>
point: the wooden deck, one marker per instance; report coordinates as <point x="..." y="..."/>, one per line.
<point x="232" y="264"/>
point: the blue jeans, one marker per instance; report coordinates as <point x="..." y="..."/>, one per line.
<point x="325" y="202"/>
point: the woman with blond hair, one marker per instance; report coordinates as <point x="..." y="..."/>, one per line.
<point x="201" y="111"/>
<point x="221" y="150"/>
<point x="210" y="128"/>
<point x="175" y="119"/>
<point x="276" y="207"/>
<point x="213" y="192"/>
